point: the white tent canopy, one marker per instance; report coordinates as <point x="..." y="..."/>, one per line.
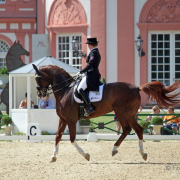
<point x="22" y="80"/>
<point x="45" y="61"/>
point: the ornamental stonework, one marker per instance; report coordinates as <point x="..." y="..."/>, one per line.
<point x="67" y="13"/>
<point x="164" y="11"/>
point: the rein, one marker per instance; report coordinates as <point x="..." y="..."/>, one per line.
<point x="50" y="88"/>
<point x="61" y="88"/>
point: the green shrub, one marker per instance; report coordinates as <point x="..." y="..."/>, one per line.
<point x="45" y="133"/>
<point x="143" y="124"/>
<point x="4" y="71"/>
<point x="19" y="134"/>
<point x="85" y="122"/>
<point x="156" y="121"/>
<point x="6" y="120"/>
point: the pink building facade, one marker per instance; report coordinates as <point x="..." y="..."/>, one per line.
<point x="115" y="23"/>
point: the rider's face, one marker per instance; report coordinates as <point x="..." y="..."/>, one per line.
<point x="90" y="46"/>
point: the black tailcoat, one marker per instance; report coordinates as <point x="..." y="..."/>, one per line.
<point x="91" y="70"/>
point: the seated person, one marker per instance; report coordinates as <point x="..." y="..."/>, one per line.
<point x="23" y="104"/>
<point x="46" y="103"/>
<point x="156" y="110"/>
<point x="174" y="123"/>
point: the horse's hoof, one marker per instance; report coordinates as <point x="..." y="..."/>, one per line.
<point x="87" y="156"/>
<point x="114" y="152"/>
<point x="53" y="159"/>
<point x="144" y="156"/>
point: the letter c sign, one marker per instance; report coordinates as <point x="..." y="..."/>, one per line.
<point x="31" y="130"/>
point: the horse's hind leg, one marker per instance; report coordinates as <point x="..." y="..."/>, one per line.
<point x="61" y="128"/>
<point x="126" y="130"/>
<point x="139" y="131"/>
<point x="72" y="131"/>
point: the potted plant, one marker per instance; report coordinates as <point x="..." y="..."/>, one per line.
<point x="156" y="123"/>
<point x="4" y="77"/>
<point x="5" y="122"/>
<point x="85" y="125"/>
<point x="143" y="124"/>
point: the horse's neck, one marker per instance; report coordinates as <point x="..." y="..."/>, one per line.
<point x="63" y="80"/>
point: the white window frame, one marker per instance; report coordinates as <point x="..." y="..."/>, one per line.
<point x="70" y="45"/>
<point x="172" y="53"/>
<point x="3" y="54"/>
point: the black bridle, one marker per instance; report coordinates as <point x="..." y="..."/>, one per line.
<point x="43" y="89"/>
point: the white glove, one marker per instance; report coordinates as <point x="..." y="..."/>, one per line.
<point x="78" y="73"/>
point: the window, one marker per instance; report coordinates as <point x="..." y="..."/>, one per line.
<point x="4" y="47"/>
<point x="2" y="62"/>
<point x="164" y="57"/>
<point x="65" y="51"/>
<point x="2" y="1"/>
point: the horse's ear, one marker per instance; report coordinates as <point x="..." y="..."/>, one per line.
<point x="18" y="42"/>
<point x="35" y="68"/>
<point x="14" y="42"/>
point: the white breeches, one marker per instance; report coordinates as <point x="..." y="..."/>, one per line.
<point x="82" y="84"/>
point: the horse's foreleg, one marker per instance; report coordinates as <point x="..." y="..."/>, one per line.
<point x="139" y="131"/>
<point x="72" y="131"/>
<point x="126" y="130"/>
<point x="61" y="128"/>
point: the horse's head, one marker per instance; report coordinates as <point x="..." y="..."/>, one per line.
<point x="42" y="82"/>
<point x="19" y="49"/>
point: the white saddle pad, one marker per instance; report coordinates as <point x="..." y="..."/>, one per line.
<point x="94" y="96"/>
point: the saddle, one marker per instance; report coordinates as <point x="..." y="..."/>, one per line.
<point x="94" y="96"/>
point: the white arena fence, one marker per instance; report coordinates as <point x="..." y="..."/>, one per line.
<point x="91" y="137"/>
<point x="33" y="134"/>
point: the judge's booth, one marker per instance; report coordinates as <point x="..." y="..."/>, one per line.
<point x="22" y="80"/>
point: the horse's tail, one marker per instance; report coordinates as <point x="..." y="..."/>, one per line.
<point x="164" y="96"/>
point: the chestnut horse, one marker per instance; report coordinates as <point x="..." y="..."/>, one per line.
<point x="120" y="97"/>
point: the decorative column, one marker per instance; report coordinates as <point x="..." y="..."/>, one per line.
<point x="40" y="24"/>
<point x="30" y="47"/>
<point x="125" y="21"/>
<point x="52" y="44"/>
<point x="98" y="29"/>
<point x="84" y="46"/>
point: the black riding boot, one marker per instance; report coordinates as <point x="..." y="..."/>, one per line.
<point x="87" y="101"/>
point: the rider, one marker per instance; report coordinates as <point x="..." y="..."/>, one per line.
<point x="92" y="75"/>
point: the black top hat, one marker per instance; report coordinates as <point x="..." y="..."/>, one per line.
<point x="92" y="41"/>
<point x="25" y="94"/>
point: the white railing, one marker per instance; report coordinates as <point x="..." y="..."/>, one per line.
<point x="94" y="137"/>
